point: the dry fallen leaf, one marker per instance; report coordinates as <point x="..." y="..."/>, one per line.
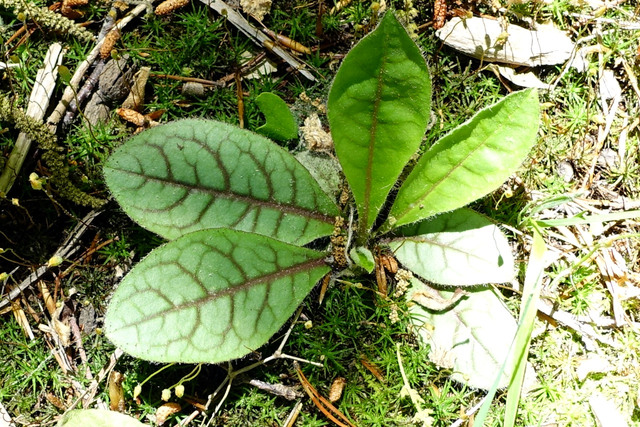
<point x="433" y="301"/>
<point x="525" y="79"/>
<point x="165" y="411"/>
<point x="116" y="391"/>
<point x="606" y="412"/>
<point x="488" y="40"/>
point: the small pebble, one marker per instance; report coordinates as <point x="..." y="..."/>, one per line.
<point x="608" y="158"/>
<point x="564" y="169"/>
<point x="193" y="89"/>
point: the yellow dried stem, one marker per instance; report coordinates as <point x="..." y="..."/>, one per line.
<point x="287" y="42"/>
<point x="47" y="297"/>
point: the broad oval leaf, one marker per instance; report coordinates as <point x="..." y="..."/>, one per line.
<point x="472" y="339"/>
<point x="97" y="418"/>
<point x="378" y="110"/>
<point x="210" y="296"/>
<point x="195" y="174"/>
<point x="459" y="248"/>
<point x="280" y="123"/>
<point x="471" y="161"/>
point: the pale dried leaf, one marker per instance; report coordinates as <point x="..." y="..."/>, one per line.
<point x="593" y="363"/>
<point x="61" y="327"/>
<point x="409" y="392"/>
<point x="486" y="39"/>
<point x="432" y="300"/>
<point x="527" y="79"/>
<point x="595" y="4"/>
<point x="442" y="357"/>
<point x="165" y="411"/>
<point x="609" y="86"/>
<point x="606" y="412"/>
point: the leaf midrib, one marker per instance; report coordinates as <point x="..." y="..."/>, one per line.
<point x="266" y="279"/>
<point x="443" y="246"/>
<point x="285" y="208"/>
<point x="372" y="132"/>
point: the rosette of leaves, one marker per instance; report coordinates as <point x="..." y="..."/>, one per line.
<point x="237" y="211"/>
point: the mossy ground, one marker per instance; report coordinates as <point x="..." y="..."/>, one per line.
<point x="351" y="334"/>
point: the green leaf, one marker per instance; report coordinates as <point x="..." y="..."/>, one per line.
<point x="378" y="110"/>
<point x="210" y="296"/>
<point x="97" y="418"/>
<point x="472" y="339"/>
<point x="471" y="161"/>
<point x="65" y="74"/>
<point x="459" y="248"/>
<point x="520" y="345"/>
<point x="280" y="125"/>
<point x="528" y="311"/>
<point x="193" y="174"/>
<point x="362" y="257"/>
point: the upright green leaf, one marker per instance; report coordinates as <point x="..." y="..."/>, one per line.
<point x="194" y="174"/>
<point x="378" y="109"/>
<point x="520" y="346"/>
<point x="459" y="248"/>
<point x="472" y="160"/>
<point x="210" y="296"/>
<point x="528" y="310"/>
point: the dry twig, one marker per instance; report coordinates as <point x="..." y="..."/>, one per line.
<point x="257" y="36"/>
<point x="68" y="248"/>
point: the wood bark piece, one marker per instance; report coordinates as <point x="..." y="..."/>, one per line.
<point x="257" y="36"/>
<point x="38" y="103"/>
<point x="69" y="92"/>
<point x="487" y="40"/>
